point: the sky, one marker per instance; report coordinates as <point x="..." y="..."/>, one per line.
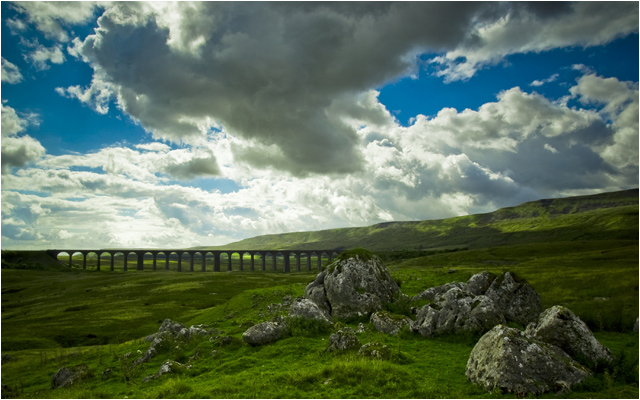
<point x="172" y="125"/>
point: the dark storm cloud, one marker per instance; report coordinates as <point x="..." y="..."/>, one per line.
<point x="269" y="73"/>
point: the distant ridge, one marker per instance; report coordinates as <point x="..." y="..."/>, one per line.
<point x="605" y="216"/>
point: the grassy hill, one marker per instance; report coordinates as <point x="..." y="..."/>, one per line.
<point x="602" y="216"/>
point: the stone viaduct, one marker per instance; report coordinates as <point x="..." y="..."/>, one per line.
<point x="140" y="257"/>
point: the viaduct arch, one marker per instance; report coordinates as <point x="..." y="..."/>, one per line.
<point x="265" y="256"/>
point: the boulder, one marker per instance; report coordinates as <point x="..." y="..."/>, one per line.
<point x="357" y="286"/>
<point x="389" y="323"/>
<point x="265" y="332"/>
<point x="519" y="301"/>
<point x="316" y="293"/>
<point x="435" y="292"/>
<point x="344" y="339"/>
<point x="512" y="361"/>
<point x="65" y="376"/>
<point x="561" y="327"/>
<point x="308" y="309"/>
<point x="480" y="282"/>
<point x="458" y="312"/>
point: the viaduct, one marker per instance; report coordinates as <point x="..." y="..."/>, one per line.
<point x="140" y="256"/>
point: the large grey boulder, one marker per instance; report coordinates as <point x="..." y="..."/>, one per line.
<point x="307" y="309"/>
<point x="561" y="327"/>
<point x="265" y="332"/>
<point x="512" y="361"/>
<point x="344" y="339"/>
<point x="458" y="312"/>
<point x="357" y="286"/>
<point x="519" y="301"/>
<point x="434" y="292"/>
<point x="389" y="323"/>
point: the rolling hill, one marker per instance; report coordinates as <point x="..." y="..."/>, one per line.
<point x="606" y="216"/>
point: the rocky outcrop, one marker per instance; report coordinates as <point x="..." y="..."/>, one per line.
<point x="353" y="287"/>
<point x="512" y="361"/>
<point x="307" y="309"/>
<point x="476" y="306"/>
<point x="67" y="376"/>
<point x="389" y="323"/>
<point x="458" y="311"/>
<point x="344" y="339"/>
<point x="561" y="327"/>
<point x="265" y="332"/>
<point x="519" y="300"/>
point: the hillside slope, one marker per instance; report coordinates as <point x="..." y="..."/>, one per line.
<point x="606" y="216"/>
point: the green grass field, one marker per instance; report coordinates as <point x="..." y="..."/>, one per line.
<point x="54" y="316"/>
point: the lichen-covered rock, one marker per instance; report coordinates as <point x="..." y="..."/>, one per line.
<point x="519" y="301"/>
<point x="561" y="327"/>
<point x="265" y="332"/>
<point x="458" y="311"/>
<point x="344" y="339"/>
<point x="168" y="367"/>
<point x="512" y="361"/>
<point x="65" y="376"/>
<point x="479" y="283"/>
<point x="435" y="292"/>
<point x="316" y="293"/>
<point x="391" y="324"/>
<point x="357" y="286"/>
<point x="308" y="309"/>
<point x="375" y="350"/>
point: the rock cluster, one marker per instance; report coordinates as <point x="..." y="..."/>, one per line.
<point x="476" y="306"/>
<point x="543" y="358"/>
<point x="170" y="332"/>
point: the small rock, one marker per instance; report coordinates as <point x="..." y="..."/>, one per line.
<point x="362" y="328"/>
<point x="388" y="323"/>
<point x="166" y="368"/>
<point x="344" y="339"/>
<point x="307" y="309"/>
<point x="375" y="350"/>
<point x="265" y="332"/>
<point x="107" y="373"/>
<point x="66" y="376"/>
<point x="635" y="326"/>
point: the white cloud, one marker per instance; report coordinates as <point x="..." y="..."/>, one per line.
<point x="17" y="151"/>
<point x="550" y="79"/>
<point x="53" y="18"/>
<point x="41" y="56"/>
<point x="10" y="72"/>
<point x="537" y="27"/>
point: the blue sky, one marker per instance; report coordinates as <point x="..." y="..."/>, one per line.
<point x="190" y="124"/>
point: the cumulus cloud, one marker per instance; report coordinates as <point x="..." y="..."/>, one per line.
<point x="10" y="72"/>
<point x="53" y="19"/>
<point x="17" y="151"/>
<point x="42" y="56"/>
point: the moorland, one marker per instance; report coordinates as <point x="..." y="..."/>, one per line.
<point x="580" y="252"/>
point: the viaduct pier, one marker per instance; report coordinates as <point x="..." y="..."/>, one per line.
<point x="142" y="254"/>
